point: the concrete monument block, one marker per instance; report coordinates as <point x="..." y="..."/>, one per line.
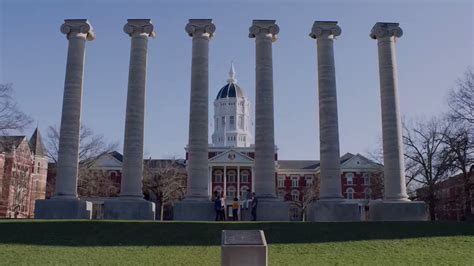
<point x="191" y="209"/>
<point x="270" y="209"/>
<point x="129" y="209"/>
<point x="398" y="211"/>
<point x="334" y="211"/>
<point x="62" y="208"/>
<point x="244" y="248"/>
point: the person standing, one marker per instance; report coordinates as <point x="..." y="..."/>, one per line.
<point x="235" y="209"/>
<point x="217" y="207"/>
<point x="223" y="208"/>
<point x="254" y="207"/>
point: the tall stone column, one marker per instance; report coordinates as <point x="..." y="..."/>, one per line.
<point x="331" y="206"/>
<point x="197" y="206"/>
<point x="270" y="208"/>
<point x="65" y="203"/>
<point x="396" y="205"/>
<point x="131" y="205"/>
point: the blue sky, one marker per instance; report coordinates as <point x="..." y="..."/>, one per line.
<point x="436" y="48"/>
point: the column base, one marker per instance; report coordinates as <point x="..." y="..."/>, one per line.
<point x="129" y="209"/>
<point x="63" y="208"/>
<point x="398" y="211"/>
<point x="334" y="211"/>
<point x="272" y="209"/>
<point x="194" y="209"/>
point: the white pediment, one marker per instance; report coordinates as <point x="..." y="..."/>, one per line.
<point x="107" y="161"/>
<point x="359" y="162"/>
<point x="231" y="156"/>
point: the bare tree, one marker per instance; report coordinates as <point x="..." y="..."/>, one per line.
<point x="376" y="185"/>
<point x="20" y="181"/>
<point x="309" y="195"/>
<point x="426" y="160"/>
<point x="96" y="183"/>
<point x="460" y="149"/>
<point x="91" y="145"/>
<point x="164" y="182"/>
<point x="461" y="99"/>
<point x="11" y="117"/>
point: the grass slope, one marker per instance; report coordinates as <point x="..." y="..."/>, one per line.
<point x="180" y="243"/>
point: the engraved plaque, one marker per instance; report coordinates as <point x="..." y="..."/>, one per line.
<point x="242" y="237"/>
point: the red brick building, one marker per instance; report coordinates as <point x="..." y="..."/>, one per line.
<point x="449" y="198"/>
<point x="23" y="169"/>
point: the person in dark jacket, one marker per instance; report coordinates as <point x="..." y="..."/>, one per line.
<point x="217" y="207"/>
<point x="254" y="207"/>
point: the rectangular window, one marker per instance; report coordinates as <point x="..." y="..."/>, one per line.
<point x="281" y="181"/>
<point x="309" y="180"/>
<point x="366" y="179"/>
<point x="294" y="181"/>
<point x="223" y="121"/>
<point x="231" y="121"/>
<point x="350" y="178"/>
<point x="241" y="122"/>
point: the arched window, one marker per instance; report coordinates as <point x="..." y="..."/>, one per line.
<point x="295" y="195"/>
<point x="218" y="176"/>
<point x="350" y="193"/>
<point x="244" y="176"/>
<point x="367" y="193"/>
<point x="38" y="169"/>
<point x="230" y="193"/>
<point x="231" y="176"/>
<point x="218" y="189"/>
<point x="244" y="190"/>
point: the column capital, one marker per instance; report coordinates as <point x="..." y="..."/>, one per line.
<point x="325" y="29"/>
<point x="79" y="28"/>
<point x="138" y="27"/>
<point x="265" y="29"/>
<point x="200" y="28"/>
<point x="386" y="29"/>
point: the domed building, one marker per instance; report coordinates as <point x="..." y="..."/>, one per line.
<point x="231" y="115"/>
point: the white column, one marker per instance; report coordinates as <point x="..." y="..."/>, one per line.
<point x="77" y="32"/>
<point x="238" y="182"/>
<point x="324" y="32"/>
<point x="139" y="30"/>
<point x="265" y="33"/>
<point x="201" y="31"/>
<point x="225" y="181"/>
<point x="394" y="168"/>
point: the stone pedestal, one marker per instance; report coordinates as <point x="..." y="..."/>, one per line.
<point x="398" y="211"/>
<point x="243" y="248"/>
<point x="334" y="211"/>
<point x="63" y="208"/>
<point x="272" y="209"/>
<point x="129" y="209"/>
<point x="192" y="209"/>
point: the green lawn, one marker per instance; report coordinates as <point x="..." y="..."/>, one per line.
<point x="179" y="243"/>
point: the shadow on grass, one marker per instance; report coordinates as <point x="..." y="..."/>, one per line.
<point x="126" y="233"/>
